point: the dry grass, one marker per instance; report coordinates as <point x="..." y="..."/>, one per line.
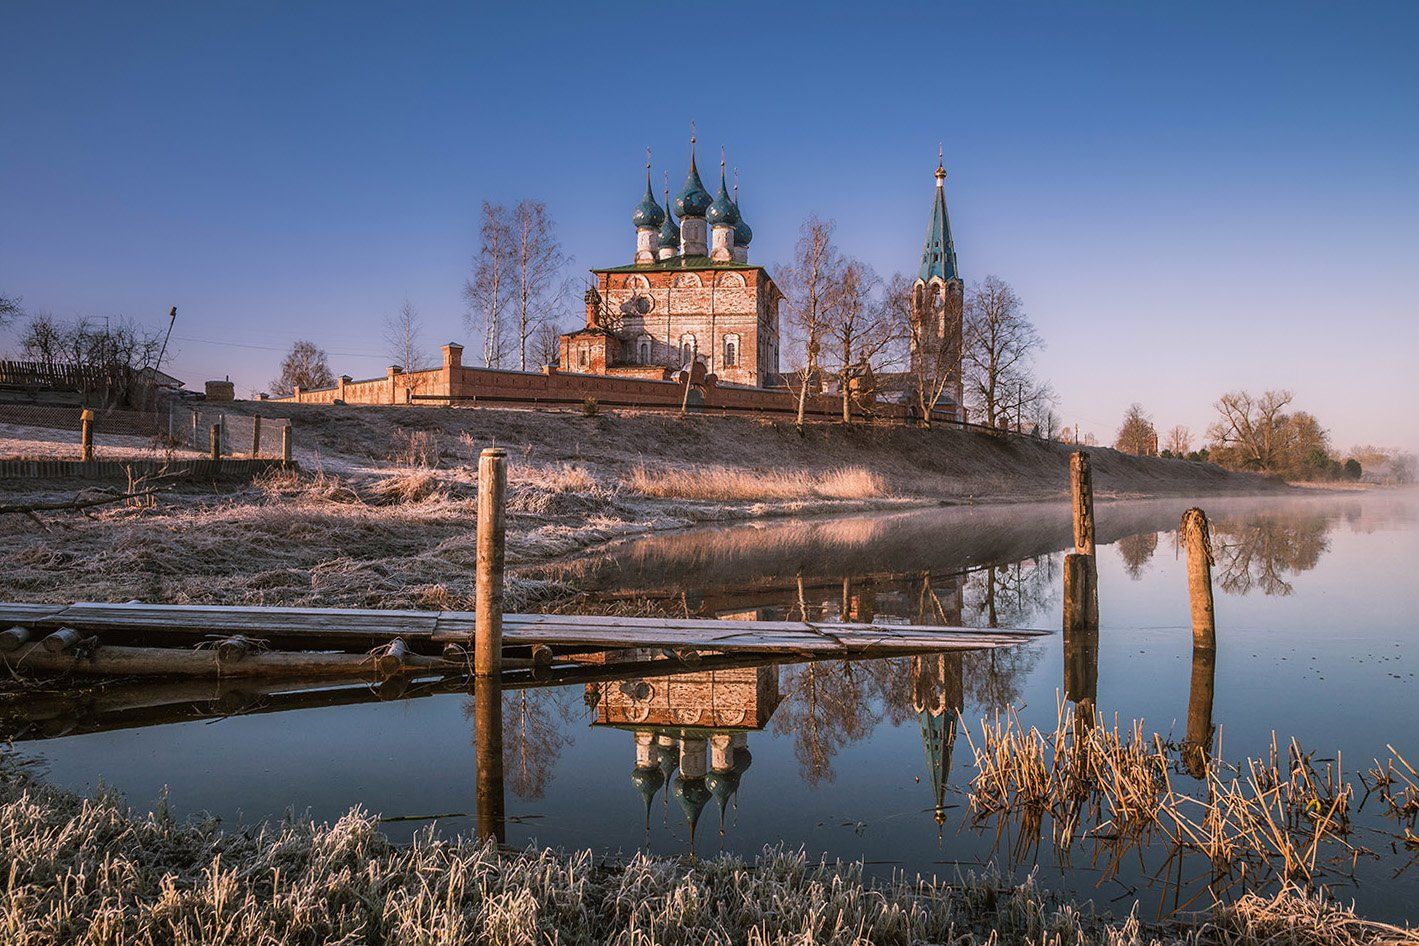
<point x="730" y="484"/>
<point x="90" y="871"/>
<point x="1269" y="820"/>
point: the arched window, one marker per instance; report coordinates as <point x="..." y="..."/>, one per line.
<point x="731" y="351"/>
<point x="688" y="349"/>
<point x="643" y="350"/>
<point x="585" y="358"/>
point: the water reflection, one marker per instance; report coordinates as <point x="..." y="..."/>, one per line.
<point x="757" y="751"/>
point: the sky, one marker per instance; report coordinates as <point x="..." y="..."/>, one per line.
<point x="1190" y="198"/>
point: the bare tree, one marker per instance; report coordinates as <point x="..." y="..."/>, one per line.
<point x="1179" y="441"/>
<point x="1000" y="342"/>
<point x="858" y="330"/>
<point x="488" y="293"/>
<point x="110" y="354"/>
<point x="402" y="336"/>
<point x="807" y="282"/>
<point x="935" y="353"/>
<point x="305" y="365"/>
<point x="1249" y="429"/>
<point x="537" y="264"/>
<point x="10" y="309"/>
<point x="546" y="344"/>
<point x="1136" y="435"/>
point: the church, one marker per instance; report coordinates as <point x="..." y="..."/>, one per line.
<point x="691" y="297"/>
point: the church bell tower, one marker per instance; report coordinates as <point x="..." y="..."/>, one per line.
<point x="938" y="294"/>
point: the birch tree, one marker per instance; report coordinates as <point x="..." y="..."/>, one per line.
<point x="807" y="283"/>
<point x="857" y="329"/>
<point x="488" y="292"/>
<point x="403" y="341"/>
<point x="1000" y="342"/>
<point x="537" y="264"/>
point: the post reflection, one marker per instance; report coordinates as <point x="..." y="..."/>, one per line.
<point x="488" y="759"/>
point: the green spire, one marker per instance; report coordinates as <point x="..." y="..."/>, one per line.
<point x="722" y="211"/>
<point x="938" y="253"/>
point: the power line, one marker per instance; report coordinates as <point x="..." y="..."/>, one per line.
<point x="212" y="341"/>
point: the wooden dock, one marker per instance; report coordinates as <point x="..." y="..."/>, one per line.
<point x="136" y="636"/>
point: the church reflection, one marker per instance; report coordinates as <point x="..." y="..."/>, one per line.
<point x="691" y="733"/>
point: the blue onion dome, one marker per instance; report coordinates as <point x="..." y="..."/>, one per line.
<point x="721" y="785"/>
<point x="670" y="230"/>
<point x="647" y="781"/>
<point x="743" y="236"/>
<point x="648" y="212"/>
<point x="693" y="199"/>
<point x="743" y="758"/>
<point x="692" y="794"/>
<point x="722" y="211"/>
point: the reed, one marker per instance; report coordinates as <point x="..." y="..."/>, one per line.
<point x="1269" y="822"/>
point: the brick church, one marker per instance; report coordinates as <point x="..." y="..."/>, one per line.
<point x="691" y="296"/>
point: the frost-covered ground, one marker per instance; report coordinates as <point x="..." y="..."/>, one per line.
<point x="383" y="510"/>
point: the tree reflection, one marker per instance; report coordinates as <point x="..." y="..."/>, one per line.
<point x="1136" y="551"/>
<point x="536" y="728"/>
<point x="826" y="707"/>
<point x="1257" y="552"/>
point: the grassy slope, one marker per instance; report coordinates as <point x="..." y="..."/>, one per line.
<point x="361" y="531"/>
<point x="939" y="463"/>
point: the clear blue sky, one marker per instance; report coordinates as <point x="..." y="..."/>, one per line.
<point x="1189" y="197"/>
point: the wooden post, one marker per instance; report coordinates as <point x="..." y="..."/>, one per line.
<point x="1081" y="489"/>
<point x="215" y="442"/>
<point x="286" y="444"/>
<point x="488" y="759"/>
<point x="1198" y="743"/>
<point x="255" y="436"/>
<point x="488" y="602"/>
<point x="86" y="435"/>
<point x="195" y="442"/>
<point x="1081" y="640"/>
<point x="1197" y="538"/>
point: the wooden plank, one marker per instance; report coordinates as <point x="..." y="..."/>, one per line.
<point x="317" y="627"/>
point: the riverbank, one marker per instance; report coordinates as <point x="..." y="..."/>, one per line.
<point x="382" y="514"/>
<point x="90" y="870"/>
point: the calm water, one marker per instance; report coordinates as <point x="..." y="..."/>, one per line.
<point x="1316" y="609"/>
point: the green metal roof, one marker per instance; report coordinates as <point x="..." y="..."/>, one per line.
<point x="687" y="263"/>
<point x="938" y="253"/>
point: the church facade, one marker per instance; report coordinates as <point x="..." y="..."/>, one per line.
<point x="689" y="298"/>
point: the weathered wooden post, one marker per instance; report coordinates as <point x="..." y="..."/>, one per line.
<point x="286" y="445"/>
<point x="255" y="436"/>
<point x="195" y="443"/>
<point x="1081" y="637"/>
<point x="488" y="758"/>
<point x="86" y="435"/>
<point x="1197" y="538"/>
<point x="215" y="442"/>
<point x="1081" y="488"/>
<point x="488" y="601"/>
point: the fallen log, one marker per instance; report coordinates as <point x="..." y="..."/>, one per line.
<point x="31" y="508"/>
<point x="62" y="640"/>
<point x="12" y="638"/>
<point x="116" y="661"/>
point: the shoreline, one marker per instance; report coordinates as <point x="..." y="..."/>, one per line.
<point x="158" y="876"/>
